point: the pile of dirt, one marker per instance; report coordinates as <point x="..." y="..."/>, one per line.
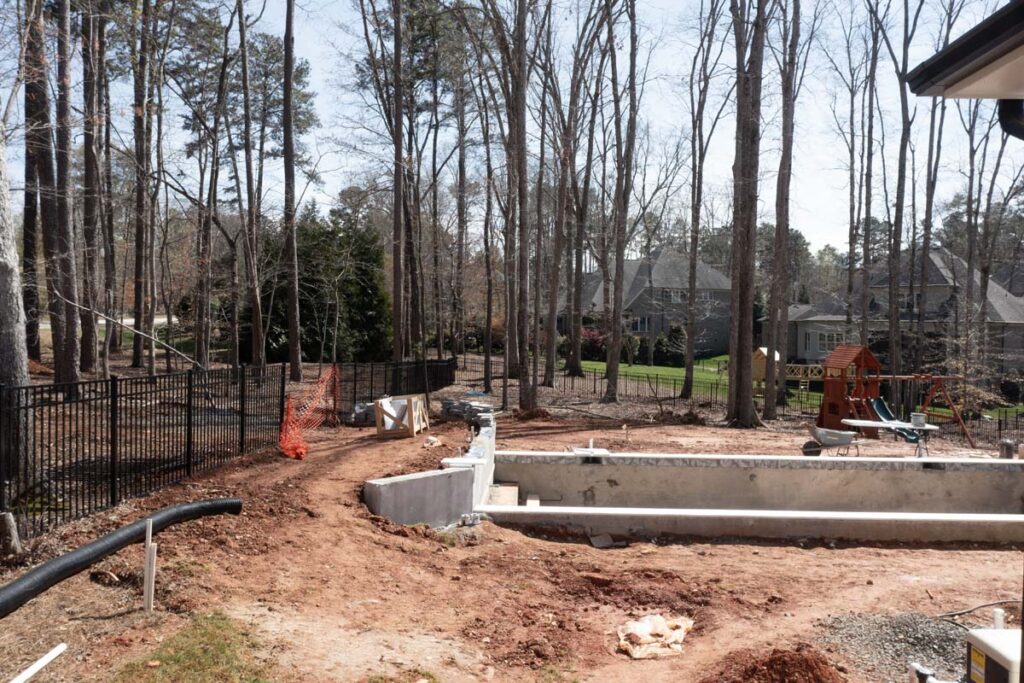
<point x="635" y="592"/>
<point x="528" y="415"/>
<point x="802" y="664"/>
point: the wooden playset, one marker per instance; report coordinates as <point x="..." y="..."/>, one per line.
<point x="852" y="390"/>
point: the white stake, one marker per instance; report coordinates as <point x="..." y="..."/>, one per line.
<point x="149" y="569"/>
<point x="38" y="666"/>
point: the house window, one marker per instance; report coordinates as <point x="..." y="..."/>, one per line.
<point x="828" y="341"/>
<point x="676" y="296"/>
<point x="703" y="295"/>
<point x="640" y="324"/>
<point x="807" y="341"/>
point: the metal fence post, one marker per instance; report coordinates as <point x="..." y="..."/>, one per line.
<point x="355" y="382"/>
<point x="241" y="413"/>
<point x="189" y="439"/>
<point x="114" y="440"/>
<point x="284" y="381"/>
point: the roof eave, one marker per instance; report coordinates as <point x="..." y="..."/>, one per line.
<point x="993" y="38"/>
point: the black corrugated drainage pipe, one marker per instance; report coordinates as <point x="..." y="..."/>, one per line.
<point x="1011" y="117"/>
<point x="49" y="574"/>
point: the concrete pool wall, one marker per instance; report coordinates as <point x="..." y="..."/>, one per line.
<point x="644" y="480"/>
<point x="760" y="496"/>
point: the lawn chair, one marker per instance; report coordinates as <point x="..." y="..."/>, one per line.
<point x="829" y="440"/>
<point x="401" y="416"/>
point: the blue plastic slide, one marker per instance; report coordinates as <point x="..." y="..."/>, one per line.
<point x="885" y="415"/>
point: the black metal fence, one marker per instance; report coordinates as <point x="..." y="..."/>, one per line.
<point x="70" y="450"/>
<point x="647" y="386"/>
<point x="366" y="382"/>
<point x="987" y="429"/>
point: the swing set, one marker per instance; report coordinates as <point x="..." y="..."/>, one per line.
<point x="852" y="390"/>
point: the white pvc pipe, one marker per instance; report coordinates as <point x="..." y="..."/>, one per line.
<point x="38" y="666"/>
<point x="998" y="618"/>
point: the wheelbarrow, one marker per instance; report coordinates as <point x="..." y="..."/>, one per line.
<point x="829" y="440"/>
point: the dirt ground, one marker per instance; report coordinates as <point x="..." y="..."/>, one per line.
<point x="331" y="593"/>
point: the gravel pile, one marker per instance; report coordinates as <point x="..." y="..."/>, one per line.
<point x="885" y="644"/>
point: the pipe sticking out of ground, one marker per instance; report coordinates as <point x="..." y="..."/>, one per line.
<point x="49" y="574"/>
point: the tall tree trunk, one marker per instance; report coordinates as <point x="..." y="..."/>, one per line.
<point x="574" y="364"/>
<point x="39" y="142"/>
<point x="750" y="41"/>
<point x="703" y="69"/>
<point x="935" y="131"/>
<point x="13" y="349"/>
<point x="398" y="196"/>
<point x="435" y="220"/>
<point x="866" y="228"/>
<point x="485" y="134"/>
<point x="291" y="246"/>
<point x="66" y="236"/>
<point x="140" y="69"/>
<point x="624" y="147"/>
<point x="90" y="187"/>
<point x="461" y="221"/>
<point x="30" y="248"/>
<point x="110" y="334"/>
<point x="778" y="301"/>
<point x="250" y="242"/>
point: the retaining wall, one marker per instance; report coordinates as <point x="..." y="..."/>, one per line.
<point x="438" y="497"/>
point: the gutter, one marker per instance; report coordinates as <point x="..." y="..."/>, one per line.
<point x="1011" y="117"/>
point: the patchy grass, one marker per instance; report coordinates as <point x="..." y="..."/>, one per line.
<point x="213" y="648"/>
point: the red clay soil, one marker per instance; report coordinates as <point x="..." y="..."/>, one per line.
<point x="803" y="664"/>
<point x="332" y="593"/>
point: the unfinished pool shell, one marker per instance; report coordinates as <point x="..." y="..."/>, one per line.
<point x="592" y="491"/>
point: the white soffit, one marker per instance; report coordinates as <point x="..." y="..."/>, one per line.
<point x="1002" y="79"/>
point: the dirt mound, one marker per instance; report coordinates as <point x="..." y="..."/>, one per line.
<point x="529" y="415"/>
<point x="37" y="368"/>
<point x="802" y="664"/>
<point x="636" y="591"/>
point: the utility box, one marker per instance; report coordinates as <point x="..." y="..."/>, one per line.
<point x="993" y="655"/>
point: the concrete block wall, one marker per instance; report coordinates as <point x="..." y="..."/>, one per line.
<point x="436" y="498"/>
<point x="479" y="458"/>
<point x="439" y="497"/>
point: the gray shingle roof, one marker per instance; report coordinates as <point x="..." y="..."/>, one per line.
<point x="944" y="269"/>
<point x="670" y="271"/>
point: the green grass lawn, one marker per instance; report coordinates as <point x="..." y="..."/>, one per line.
<point x="704" y="371"/>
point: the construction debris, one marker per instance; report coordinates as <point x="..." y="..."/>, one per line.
<point x="602" y="541"/>
<point x="468" y="411"/>
<point x="653" y="636"/>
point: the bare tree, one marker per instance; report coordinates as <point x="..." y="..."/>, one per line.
<point x="868" y="140"/>
<point x="291" y="245"/>
<point x="936" y="127"/>
<point x="899" y="53"/>
<point x="749" y="21"/>
<point x="792" y="64"/>
<point x="250" y="243"/>
<point x="705" y="115"/>
<point x="625" y="147"/>
<point x="848" y="64"/>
